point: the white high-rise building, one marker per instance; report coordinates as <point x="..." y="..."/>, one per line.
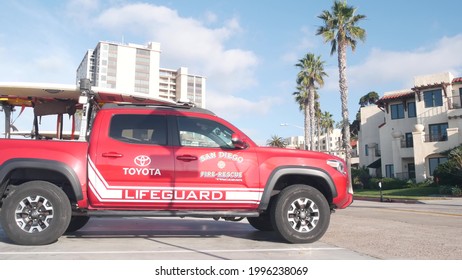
<point x="136" y="68"/>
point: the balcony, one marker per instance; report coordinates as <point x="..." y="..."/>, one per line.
<point x="436" y="137"/>
<point x="455" y="102"/>
<point x="407" y="143"/>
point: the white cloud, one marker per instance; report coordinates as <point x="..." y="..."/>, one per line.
<point x="211" y="17"/>
<point x="187" y="42"/>
<point x="383" y="67"/>
<point x="386" y="70"/>
<point x="79" y="10"/>
<point x="232" y="107"/>
<point x="190" y="43"/>
<point x="307" y="42"/>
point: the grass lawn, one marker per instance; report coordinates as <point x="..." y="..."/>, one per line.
<point x="406" y="193"/>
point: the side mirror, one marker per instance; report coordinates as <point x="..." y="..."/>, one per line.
<point x="237" y="142"/>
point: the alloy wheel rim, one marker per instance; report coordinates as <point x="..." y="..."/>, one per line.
<point x="303" y="215"/>
<point x="34" y="214"/>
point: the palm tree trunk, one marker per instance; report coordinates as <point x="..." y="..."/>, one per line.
<point x="328" y="140"/>
<point x="344" y="99"/>
<point x="318" y="128"/>
<point x="307" y="125"/>
<point x="312" y="122"/>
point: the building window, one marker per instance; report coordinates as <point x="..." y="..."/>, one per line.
<point x="389" y="171"/>
<point x="397" y="111"/>
<point x="411" y="170"/>
<point x="434" y="162"/>
<point x="411" y="112"/>
<point x="409" y="140"/>
<point x="433" y="98"/>
<point x="460" y="100"/>
<point x="438" y="132"/>
<point x="366" y="150"/>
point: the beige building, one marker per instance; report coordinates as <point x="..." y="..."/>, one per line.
<point x="331" y="143"/>
<point x="136" y="68"/>
<point x="405" y="135"/>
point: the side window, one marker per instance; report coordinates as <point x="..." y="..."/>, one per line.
<point x="411" y="111"/>
<point x="409" y="140"/>
<point x="197" y="132"/>
<point x="140" y="129"/>
<point x="389" y="171"/>
<point x="433" y="98"/>
<point x="397" y="111"/>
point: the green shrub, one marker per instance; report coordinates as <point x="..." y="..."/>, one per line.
<point x="389" y="183"/>
<point x="445" y="189"/>
<point x="450" y="172"/>
<point x="450" y="190"/>
<point x="456" y="191"/>
<point x="361" y="178"/>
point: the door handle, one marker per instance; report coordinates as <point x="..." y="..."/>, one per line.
<point x="112" y="155"/>
<point x="186" y="158"/>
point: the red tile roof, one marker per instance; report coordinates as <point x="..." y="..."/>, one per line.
<point x="457" y="80"/>
<point x="395" y="96"/>
<point x="401" y="95"/>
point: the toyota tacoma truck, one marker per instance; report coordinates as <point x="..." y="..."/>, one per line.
<point x="163" y="161"/>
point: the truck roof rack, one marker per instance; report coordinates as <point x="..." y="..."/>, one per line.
<point x="174" y="106"/>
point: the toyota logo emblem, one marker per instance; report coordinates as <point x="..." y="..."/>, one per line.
<point x="142" y="160"/>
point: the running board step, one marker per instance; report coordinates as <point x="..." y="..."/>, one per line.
<point x="195" y="214"/>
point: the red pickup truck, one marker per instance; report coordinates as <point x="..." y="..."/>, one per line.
<point x="165" y="161"/>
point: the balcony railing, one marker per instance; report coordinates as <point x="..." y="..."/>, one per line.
<point x="455" y="102"/>
<point x="407" y="144"/>
<point x="436" y="137"/>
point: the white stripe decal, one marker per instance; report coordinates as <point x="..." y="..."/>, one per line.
<point x="156" y="194"/>
<point x="99" y="186"/>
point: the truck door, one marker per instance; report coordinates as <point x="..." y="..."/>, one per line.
<point x="132" y="164"/>
<point x="210" y="173"/>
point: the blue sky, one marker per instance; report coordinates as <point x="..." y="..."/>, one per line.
<point x="247" y="50"/>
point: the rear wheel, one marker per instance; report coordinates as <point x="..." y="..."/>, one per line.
<point x="35" y="213"/>
<point x="301" y="214"/>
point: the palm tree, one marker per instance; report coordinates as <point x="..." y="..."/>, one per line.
<point x="310" y="77"/>
<point x="327" y="123"/>
<point x="369" y="99"/>
<point x="301" y="97"/>
<point x="318" y="115"/>
<point x="341" y="30"/>
<point x="276" y="141"/>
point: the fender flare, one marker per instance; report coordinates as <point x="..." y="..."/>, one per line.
<point x="293" y="170"/>
<point x="56" y="166"/>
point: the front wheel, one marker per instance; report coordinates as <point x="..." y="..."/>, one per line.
<point x="301" y="214"/>
<point x="35" y="213"/>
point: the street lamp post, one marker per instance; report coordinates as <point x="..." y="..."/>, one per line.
<point x="300" y="127"/>
<point x="288" y="124"/>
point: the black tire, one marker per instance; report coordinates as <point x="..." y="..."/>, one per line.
<point x="301" y="214"/>
<point x="35" y="213"/>
<point x="262" y="222"/>
<point x="77" y="222"/>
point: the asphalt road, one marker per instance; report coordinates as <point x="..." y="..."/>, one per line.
<point x="366" y="230"/>
<point x="427" y="230"/>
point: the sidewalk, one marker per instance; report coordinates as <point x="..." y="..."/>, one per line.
<point x="431" y="200"/>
